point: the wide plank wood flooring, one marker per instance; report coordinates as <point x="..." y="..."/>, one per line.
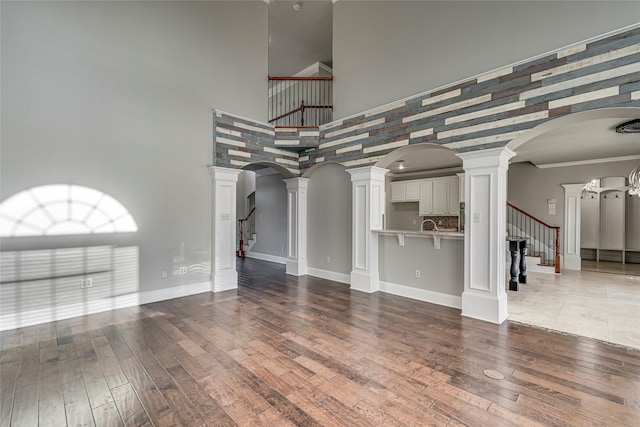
<point x="284" y="351"/>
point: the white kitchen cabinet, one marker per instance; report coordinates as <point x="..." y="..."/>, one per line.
<point x="453" y="195"/>
<point x="405" y="191"/>
<point x="398" y="191"/>
<point x="440" y="196"/>
<point x="440" y="199"/>
<point x="425" y="205"/>
<point x="412" y="191"/>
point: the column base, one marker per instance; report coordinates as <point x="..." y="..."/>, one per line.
<point x="364" y="281"/>
<point x="225" y="280"/>
<point x="572" y="262"/>
<point x="484" y="307"/>
<point x="297" y="267"/>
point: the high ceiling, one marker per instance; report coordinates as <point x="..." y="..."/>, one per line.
<point x="299" y="39"/>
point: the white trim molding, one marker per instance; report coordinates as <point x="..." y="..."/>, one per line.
<point x="422" y="295"/>
<point x="329" y="275"/>
<point x="266" y="257"/>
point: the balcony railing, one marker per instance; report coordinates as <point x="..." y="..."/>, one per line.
<point x="300" y="101"/>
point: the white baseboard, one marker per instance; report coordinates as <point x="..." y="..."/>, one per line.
<point x="60" y="312"/>
<point x="266" y="257"/>
<point x="422" y="295"/>
<point x="329" y="275"/>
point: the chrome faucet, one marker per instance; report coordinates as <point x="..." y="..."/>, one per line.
<point x="435" y="227"/>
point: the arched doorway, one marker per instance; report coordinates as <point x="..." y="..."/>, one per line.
<point x="261" y="200"/>
<point x="553" y="162"/>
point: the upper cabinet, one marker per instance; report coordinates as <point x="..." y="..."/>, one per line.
<point x="405" y="191"/>
<point x="426" y="197"/>
<point x="436" y="196"/>
<point x="445" y="196"/>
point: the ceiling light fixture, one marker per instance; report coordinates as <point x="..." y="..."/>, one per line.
<point x="400" y="164"/>
<point x="632" y="126"/>
<point x="634" y="182"/>
<point x="297" y="6"/>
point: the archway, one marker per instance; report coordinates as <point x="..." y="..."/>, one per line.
<point x="553" y="162"/>
<point x="262" y="202"/>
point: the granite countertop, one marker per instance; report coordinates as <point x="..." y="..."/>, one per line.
<point x="444" y="233"/>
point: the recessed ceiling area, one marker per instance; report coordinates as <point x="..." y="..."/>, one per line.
<point x="420" y="157"/>
<point x="298" y="39"/>
<point x="591" y="136"/>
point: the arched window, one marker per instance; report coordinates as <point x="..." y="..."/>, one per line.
<point x="63" y="209"/>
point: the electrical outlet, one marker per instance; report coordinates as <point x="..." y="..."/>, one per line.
<point x="182" y="270"/>
<point x="418" y="274"/>
<point x="86" y="283"/>
<point x="282" y="249"/>
<point x="163" y="274"/>
<point x="328" y="260"/>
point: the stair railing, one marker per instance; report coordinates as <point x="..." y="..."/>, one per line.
<point x="300" y="101"/>
<point x="542" y="239"/>
<point x="240" y="252"/>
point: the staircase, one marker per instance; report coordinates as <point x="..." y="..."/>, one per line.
<point x="247" y="234"/>
<point x="543" y="240"/>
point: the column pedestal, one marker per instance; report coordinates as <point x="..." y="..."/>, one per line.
<point x="572" y="205"/>
<point x="484" y="295"/>
<point x="297" y="226"/>
<point x="223" y="251"/>
<point x="368" y="208"/>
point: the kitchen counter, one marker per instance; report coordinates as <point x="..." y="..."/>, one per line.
<point x="443" y="234"/>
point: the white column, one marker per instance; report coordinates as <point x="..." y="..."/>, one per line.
<point x="485" y="188"/>
<point x="368" y="207"/>
<point x="571" y="253"/>
<point x="297" y="225"/>
<point x="223" y="256"/>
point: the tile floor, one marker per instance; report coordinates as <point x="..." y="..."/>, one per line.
<point x="591" y="304"/>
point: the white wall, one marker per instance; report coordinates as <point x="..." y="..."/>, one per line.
<point x="271" y="215"/>
<point x="329" y="219"/>
<point x="387" y="50"/>
<point x="245" y="186"/>
<point x="118" y="96"/>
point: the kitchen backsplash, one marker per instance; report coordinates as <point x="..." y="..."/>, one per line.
<point x="447" y="221"/>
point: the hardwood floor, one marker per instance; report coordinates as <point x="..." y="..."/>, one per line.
<point x="304" y="351"/>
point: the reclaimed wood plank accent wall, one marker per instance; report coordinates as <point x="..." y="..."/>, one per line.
<point x="484" y="112"/>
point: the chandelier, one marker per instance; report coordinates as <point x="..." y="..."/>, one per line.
<point x="591" y="186"/>
<point x="632" y="126"/>
<point x="634" y="182"/>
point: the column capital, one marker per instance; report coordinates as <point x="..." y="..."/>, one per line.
<point x="573" y="189"/>
<point x="367" y="173"/>
<point x="224" y="174"/>
<point x="296" y="183"/>
<point x="490" y="157"/>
